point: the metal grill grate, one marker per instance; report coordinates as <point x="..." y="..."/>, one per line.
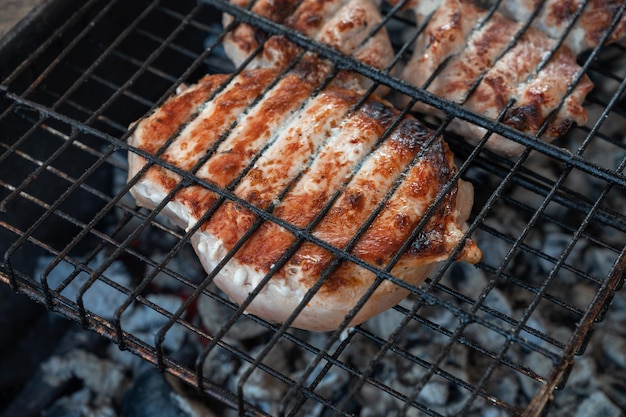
<point x="80" y="73"/>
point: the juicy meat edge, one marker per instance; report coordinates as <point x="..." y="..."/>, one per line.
<point x="327" y="309"/>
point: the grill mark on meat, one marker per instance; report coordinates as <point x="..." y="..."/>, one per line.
<point x="523" y="117"/>
<point x="519" y="73"/>
<point x="556" y="15"/>
<point x="313" y="69"/>
<point x="311" y="15"/>
<point x="328" y="173"/>
<point x="377" y="110"/>
<point x="246" y="37"/>
<point x="275" y="10"/>
<point x="173" y="114"/>
<point x="605" y="10"/>
<point x="541" y="95"/>
<point x="202" y="132"/>
<point x="253" y="132"/>
<point x="350" y="28"/>
<point x="483" y="47"/>
<point x="354" y="160"/>
<point x="345" y="25"/>
<point x="380" y="238"/>
<point x="283" y="161"/>
<point x="444" y="35"/>
<point x="308" y="18"/>
<point x="375" y="177"/>
<point x="500" y="83"/>
<point x="553" y="18"/>
<point x="317" y="151"/>
<point x="563" y="10"/>
<point x="409" y="136"/>
<point x="380" y="243"/>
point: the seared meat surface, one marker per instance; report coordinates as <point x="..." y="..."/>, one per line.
<point x="316" y="158"/>
<point x="555" y="16"/>
<point x="585" y="21"/>
<point x="346" y="25"/>
<point x="489" y="62"/>
<point x="468" y="56"/>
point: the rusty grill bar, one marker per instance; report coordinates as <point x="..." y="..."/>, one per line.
<point x="80" y="73"/>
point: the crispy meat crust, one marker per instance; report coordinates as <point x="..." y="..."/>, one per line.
<point x="318" y="162"/>
<point x="346" y="25"/>
<point x="464" y="54"/>
<point x="555" y="16"/>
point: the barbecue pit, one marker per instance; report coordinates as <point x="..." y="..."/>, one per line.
<point x="551" y="223"/>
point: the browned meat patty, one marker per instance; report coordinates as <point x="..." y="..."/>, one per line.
<point x="555" y="16"/>
<point x="283" y="147"/>
<point x="346" y="25"/>
<point x="463" y="55"/>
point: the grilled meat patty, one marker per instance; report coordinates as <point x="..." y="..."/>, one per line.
<point x="349" y="26"/>
<point x="555" y="16"/>
<point x="317" y="160"/>
<point x="464" y="55"/>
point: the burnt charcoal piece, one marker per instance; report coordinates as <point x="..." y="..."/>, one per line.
<point x="150" y="396"/>
<point x="27" y="349"/>
<point x="36" y="393"/>
<point x="13" y="306"/>
<point x="62" y="411"/>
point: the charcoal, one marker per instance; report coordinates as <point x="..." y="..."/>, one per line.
<point x="613" y="348"/>
<point x="582" y="375"/>
<point x="79" y="404"/>
<point x="63" y="410"/>
<point x="38" y="393"/>
<point x="13" y="307"/>
<point x="150" y="396"/>
<point x="598" y="405"/>
<point x="20" y="362"/>
<point x="100" y="298"/>
<point x="435" y="393"/>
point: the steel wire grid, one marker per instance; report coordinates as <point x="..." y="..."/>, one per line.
<point x="99" y="66"/>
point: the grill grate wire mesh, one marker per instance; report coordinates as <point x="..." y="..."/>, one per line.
<point x="109" y="63"/>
